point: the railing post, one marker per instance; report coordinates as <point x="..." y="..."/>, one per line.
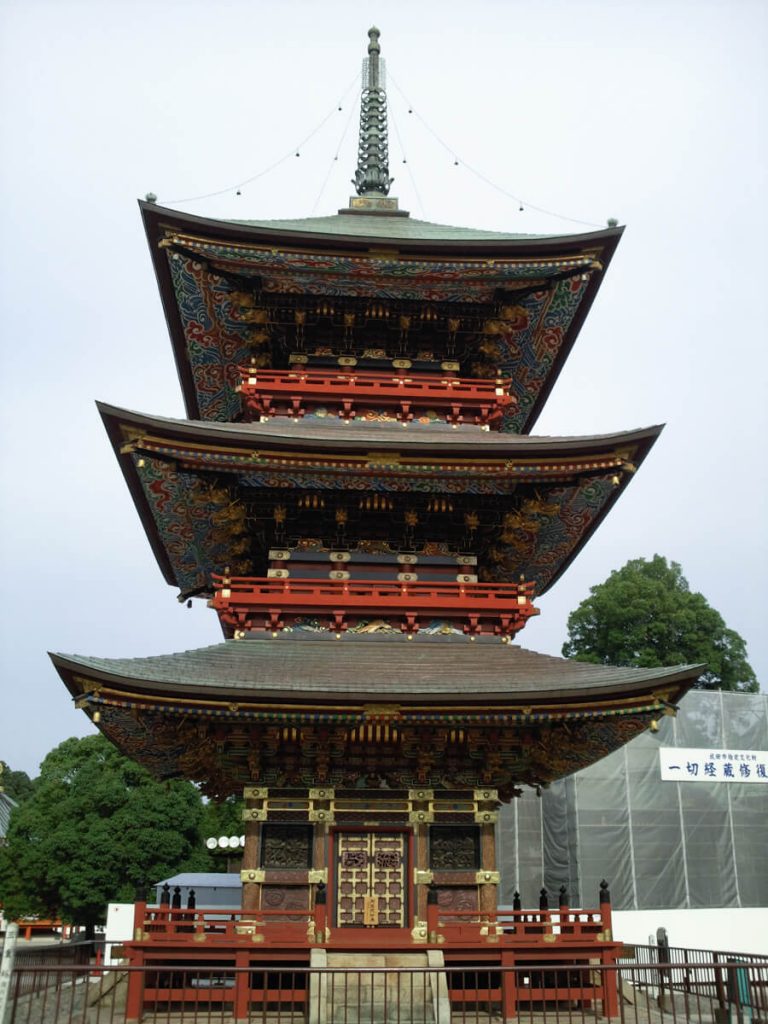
<point x="433" y="913"/>
<point x="605" y="910"/>
<point x="720" y="989"/>
<point x="566" y="926"/>
<point x="139" y="912"/>
<point x="320" y="912"/>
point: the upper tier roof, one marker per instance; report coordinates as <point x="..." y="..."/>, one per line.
<point x="384" y="227"/>
<point x="204" y="267"/>
<point x="196" y="485"/>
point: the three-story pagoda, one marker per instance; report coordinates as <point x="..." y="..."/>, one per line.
<point x="357" y="495"/>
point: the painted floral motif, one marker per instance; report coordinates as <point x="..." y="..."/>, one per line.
<point x="224" y="326"/>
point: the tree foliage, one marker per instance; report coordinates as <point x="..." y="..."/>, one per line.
<point x="95" y="827"/>
<point x="16" y="785"/>
<point x="646" y="615"/>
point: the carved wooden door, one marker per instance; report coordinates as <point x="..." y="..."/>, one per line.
<point x="371" y="879"/>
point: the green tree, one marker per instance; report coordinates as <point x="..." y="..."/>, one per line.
<point x="96" y="826"/>
<point x="646" y="615"/>
<point x="16" y="785"/>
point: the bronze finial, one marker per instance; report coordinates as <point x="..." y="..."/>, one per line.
<point x="372" y="174"/>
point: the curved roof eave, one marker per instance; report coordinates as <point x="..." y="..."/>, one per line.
<point x="336" y="436"/>
<point x="297" y="669"/>
<point x="408" y="233"/>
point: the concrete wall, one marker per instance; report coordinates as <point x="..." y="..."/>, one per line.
<point x="730" y="930"/>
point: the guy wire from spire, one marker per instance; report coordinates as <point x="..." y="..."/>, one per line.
<point x="372" y="174"/>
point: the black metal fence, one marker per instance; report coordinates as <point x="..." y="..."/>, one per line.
<point x="727" y="991"/>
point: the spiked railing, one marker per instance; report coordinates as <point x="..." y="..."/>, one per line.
<point x="297" y="392"/>
<point x="260" y="603"/>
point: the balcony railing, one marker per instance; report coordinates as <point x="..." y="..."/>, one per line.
<point x="247" y="603"/>
<point x="298" y="392"/>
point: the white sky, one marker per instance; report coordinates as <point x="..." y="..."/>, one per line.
<point x="654" y="113"/>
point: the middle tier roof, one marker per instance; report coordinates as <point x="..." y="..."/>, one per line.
<point x="217" y="496"/>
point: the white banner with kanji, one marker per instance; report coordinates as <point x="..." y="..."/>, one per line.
<point x="707" y="764"/>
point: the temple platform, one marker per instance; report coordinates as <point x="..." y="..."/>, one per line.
<point x="452" y="962"/>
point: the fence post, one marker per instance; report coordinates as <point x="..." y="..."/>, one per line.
<point x="665" y="975"/>
<point x="242" y="995"/>
<point x="508" y="987"/>
<point x="6" y="966"/>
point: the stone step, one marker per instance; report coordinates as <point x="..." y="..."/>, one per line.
<point x="377" y="995"/>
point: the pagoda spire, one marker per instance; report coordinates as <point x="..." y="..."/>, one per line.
<point x="372" y="174"/>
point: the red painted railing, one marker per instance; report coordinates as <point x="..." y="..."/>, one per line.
<point x="223" y="926"/>
<point x="296" y="392"/>
<point x="245" y="603"/>
<point x="513" y="927"/>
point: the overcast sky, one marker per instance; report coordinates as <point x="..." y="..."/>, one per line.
<point x="653" y="113"/>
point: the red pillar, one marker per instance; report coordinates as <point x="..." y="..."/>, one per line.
<point x="242" y="986"/>
<point x="134" y="1004"/>
<point x="508" y="987"/>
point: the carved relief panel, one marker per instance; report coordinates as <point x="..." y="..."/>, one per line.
<point x="454" y="848"/>
<point x="286" y="846"/>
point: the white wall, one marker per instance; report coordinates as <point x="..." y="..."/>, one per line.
<point x="119" y="927"/>
<point x="728" y="930"/>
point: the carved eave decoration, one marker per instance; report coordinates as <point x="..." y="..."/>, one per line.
<point x="224" y="744"/>
<point x="209" y="494"/>
<point x="237" y="293"/>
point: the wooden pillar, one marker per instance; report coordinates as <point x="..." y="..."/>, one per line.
<point x="320" y="846"/>
<point x="253" y="816"/>
<point x="318" y="904"/>
<point x="421" y="863"/>
<point x="488" y="867"/>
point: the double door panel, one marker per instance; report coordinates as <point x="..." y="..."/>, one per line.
<point x="371" y="874"/>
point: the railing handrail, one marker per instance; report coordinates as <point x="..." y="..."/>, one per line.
<point x="373" y="378"/>
<point x="276" y="965"/>
<point x="295" y="585"/>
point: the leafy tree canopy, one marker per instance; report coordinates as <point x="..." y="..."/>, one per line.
<point x="95" y="826"/>
<point x="646" y="615"/>
<point x="16" y="785"/>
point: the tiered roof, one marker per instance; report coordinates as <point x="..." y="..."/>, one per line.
<point x="213" y="712"/>
<point x="374" y="289"/>
<point x="546" y="495"/>
<point x="215" y="276"/>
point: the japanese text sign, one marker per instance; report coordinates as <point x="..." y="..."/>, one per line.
<point x="708" y="764"/>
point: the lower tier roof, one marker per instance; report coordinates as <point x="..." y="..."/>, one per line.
<point x="302" y="711"/>
<point x="315" y="667"/>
